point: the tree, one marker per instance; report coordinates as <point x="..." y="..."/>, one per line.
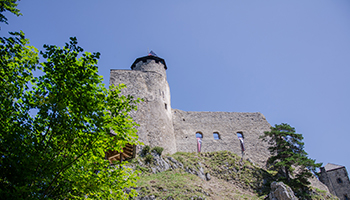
<point x="289" y="158"/>
<point x="55" y="128"/>
<point x="8" y="5"/>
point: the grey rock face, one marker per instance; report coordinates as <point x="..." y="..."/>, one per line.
<point x="207" y="175"/>
<point x="280" y="191"/>
<point x="160" y="163"/>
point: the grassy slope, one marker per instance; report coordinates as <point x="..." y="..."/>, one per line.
<point x="231" y="178"/>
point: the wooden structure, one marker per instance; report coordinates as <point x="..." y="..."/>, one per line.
<point x="127" y="154"/>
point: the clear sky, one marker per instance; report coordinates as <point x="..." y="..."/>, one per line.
<point x="289" y="60"/>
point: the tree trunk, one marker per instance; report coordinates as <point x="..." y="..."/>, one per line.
<point x="287" y="173"/>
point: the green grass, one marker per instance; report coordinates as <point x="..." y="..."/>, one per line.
<point x="176" y="184"/>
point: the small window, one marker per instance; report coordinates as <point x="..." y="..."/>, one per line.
<point x="240" y="135"/>
<point x="216" y="136"/>
<point x="166" y="106"/>
<point x="199" y="135"/>
<point x="339" y="180"/>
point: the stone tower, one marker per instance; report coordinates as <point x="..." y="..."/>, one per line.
<point x="337" y="180"/>
<point x="147" y="80"/>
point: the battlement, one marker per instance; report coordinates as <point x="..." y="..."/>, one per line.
<point x="150" y="63"/>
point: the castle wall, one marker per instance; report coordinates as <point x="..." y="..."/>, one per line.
<point x="337" y="181"/>
<point x="227" y="124"/>
<point x="154" y="114"/>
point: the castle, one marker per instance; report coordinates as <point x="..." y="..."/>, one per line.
<point x="337" y="180"/>
<point x="176" y="130"/>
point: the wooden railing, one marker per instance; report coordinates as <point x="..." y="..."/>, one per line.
<point x="127" y="154"/>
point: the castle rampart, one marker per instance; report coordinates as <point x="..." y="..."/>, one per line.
<point x="226" y="125"/>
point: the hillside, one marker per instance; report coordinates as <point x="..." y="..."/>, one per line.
<point x="211" y="175"/>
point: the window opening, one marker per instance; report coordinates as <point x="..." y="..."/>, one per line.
<point x="199" y="135"/>
<point x="166" y="106"/>
<point x="216" y="136"/>
<point x="339" y="180"/>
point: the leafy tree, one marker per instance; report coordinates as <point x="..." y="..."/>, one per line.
<point x="55" y="128"/>
<point x="8" y="5"/>
<point x="288" y="156"/>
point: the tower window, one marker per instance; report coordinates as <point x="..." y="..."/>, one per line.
<point x="199" y="135"/>
<point x="166" y="106"/>
<point x="216" y="136"/>
<point x="339" y="180"/>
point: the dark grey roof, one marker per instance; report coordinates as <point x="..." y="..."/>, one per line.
<point x="145" y="58"/>
<point x="331" y="166"/>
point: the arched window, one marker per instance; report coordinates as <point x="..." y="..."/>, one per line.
<point x="199" y="135"/>
<point x="240" y="134"/>
<point x="216" y="136"/>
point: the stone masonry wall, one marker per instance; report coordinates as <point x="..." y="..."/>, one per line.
<point x="227" y="124"/>
<point x="339" y="188"/>
<point x="154" y="114"/>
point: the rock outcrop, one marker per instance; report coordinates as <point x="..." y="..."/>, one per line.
<point x="280" y="191"/>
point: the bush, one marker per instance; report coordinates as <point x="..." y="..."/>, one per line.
<point x="158" y="150"/>
<point x="145" y="150"/>
<point x="148" y="158"/>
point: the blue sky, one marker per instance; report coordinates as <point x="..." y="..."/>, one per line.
<point x="289" y="60"/>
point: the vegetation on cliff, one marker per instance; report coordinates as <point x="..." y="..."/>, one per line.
<point x="210" y="175"/>
<point x="289" y="158"/>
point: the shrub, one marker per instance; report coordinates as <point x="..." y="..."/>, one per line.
<point x="148" y="158"/>
<point x="145" y="150"/>
<point x="158" y="150"/>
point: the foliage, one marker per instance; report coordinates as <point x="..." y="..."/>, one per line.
<point x="145" y="150"/>
<point x="8" y="5"/>
<point x="158" y="150"/>
<point x="288" y="156"/>
<point x="55" y="128"/>
<point x="148" y="158"/>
